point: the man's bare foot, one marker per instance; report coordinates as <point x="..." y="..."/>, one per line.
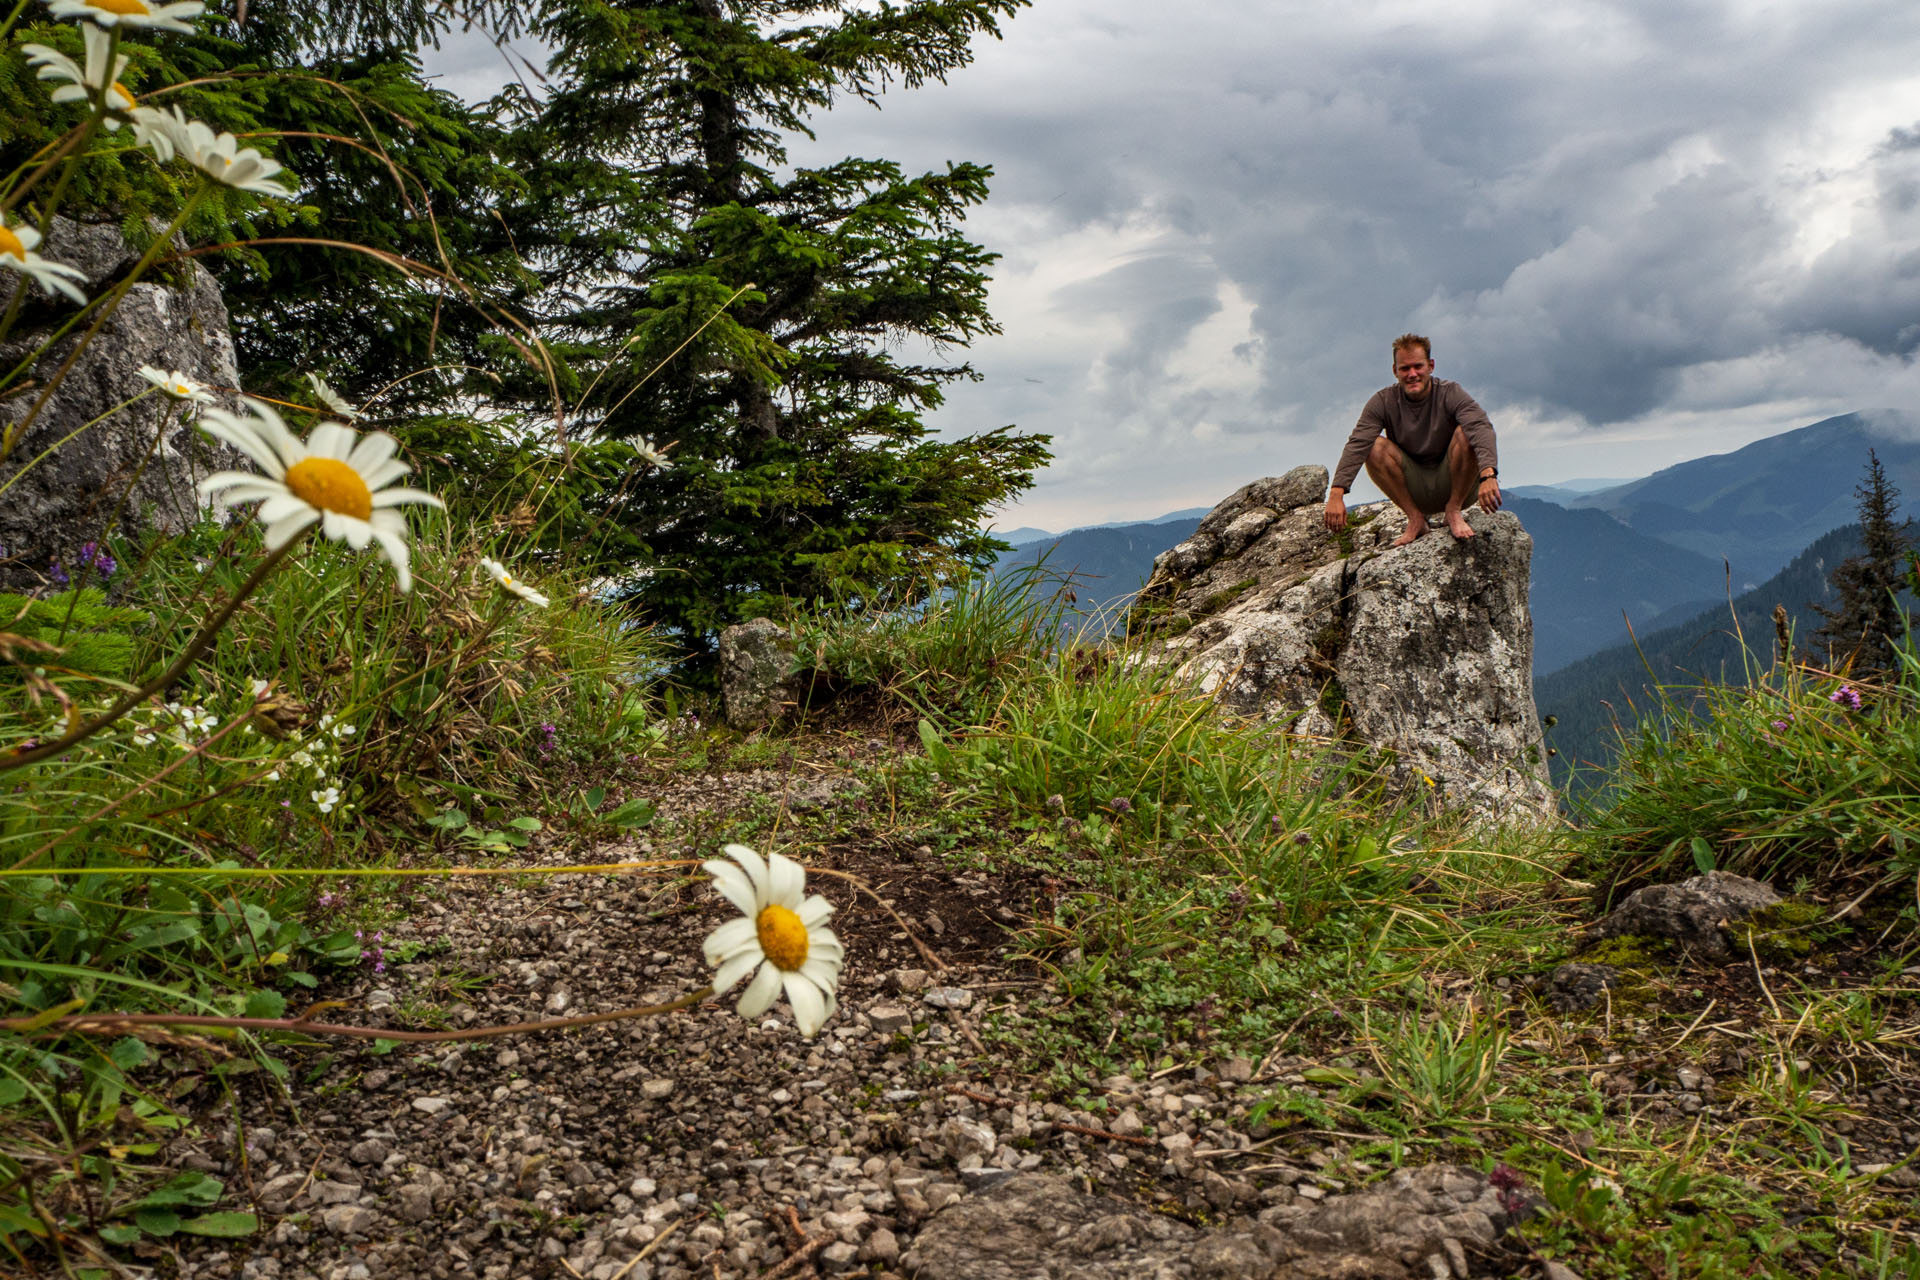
<point x="1457" y="525"/>
<point x="1415" y="529"/>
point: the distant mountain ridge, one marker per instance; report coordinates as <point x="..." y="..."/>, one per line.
<point x="1589" y="695"/>
<point x="1760" y="506"/>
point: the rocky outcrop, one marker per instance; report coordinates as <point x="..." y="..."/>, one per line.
<point x="1692" y="916"/>
<point x="1419" y="1222"/>
<point x="1424" y="650"/>
<point x="757" y="679"/>
<point x="174" y="320"/>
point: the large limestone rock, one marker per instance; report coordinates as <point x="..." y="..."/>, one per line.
<point x="757" y="680"/>
<point x="1426" y="650"/>
<point x="1040" y="1227"/>
<point x="174" y="320"/>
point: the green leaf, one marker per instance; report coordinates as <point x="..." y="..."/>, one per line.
<point x="157" y="1222"/>
<point x="11" y="1091"/>
<point x="1702" y="855"/>
<point x="266" y="1004"/>
<point x="595" y="797"/>
<point x="228" y="1225"/>
<point x="120" y="1233"/>
<point x="301" y="978"/>
<point x="127" y="1053"/>
<point x="634" y="813"/>
<point x="525" y="824"/>
<point x="187" y="1188"/>
<point x="14" y="1218"/>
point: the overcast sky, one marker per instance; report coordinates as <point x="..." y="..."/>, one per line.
<point x="1636" y="232"/>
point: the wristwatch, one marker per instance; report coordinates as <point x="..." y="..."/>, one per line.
<point x="1490" y="473"/>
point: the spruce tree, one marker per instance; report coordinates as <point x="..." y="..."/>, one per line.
<point x="781" y="329"/>
<point x="1867" y="622"/>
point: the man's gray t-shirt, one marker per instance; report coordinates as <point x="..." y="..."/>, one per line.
<point x="1422" y="428"/>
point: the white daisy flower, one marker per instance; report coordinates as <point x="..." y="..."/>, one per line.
<point x="335" y="479"/>
<point x="326" y="799"/>
<point x="651" y="456"/>
<point x="155" y="129"/>
<point x="221" y="157"/>
<point x="16" y="252"/>
<point x="131" y="13"/>
<point x="333" y="400"/>
<point x="498" y="572"/>
<point x="782" y="933"/>
<point x="177" y="385"/>
<point x="84" y="85"/>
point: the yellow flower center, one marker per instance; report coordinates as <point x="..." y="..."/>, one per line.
<point x="331" y="485"/>
<point x="782" y="937"/>
<point x="125" y="8"/>
<point x="10" y="243"/>
<point x="125" y="94"/>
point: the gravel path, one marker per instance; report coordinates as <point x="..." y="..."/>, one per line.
<point x="694" y="1144"/>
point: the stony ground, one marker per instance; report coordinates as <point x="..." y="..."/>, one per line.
<point x="699" y="1145"/>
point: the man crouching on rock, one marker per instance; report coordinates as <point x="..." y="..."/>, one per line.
<point x="1425" y="443"/>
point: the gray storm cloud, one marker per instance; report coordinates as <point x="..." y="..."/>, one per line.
<point x="1619" y="222"/>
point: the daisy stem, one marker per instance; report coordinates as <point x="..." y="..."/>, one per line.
<point x="113" y="1023"/>
<point x="12" y="18"/>
<point x="199" y="644"/>
<point x="103" y="308"/>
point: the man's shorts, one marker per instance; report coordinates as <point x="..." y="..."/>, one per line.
<point x="1428" y="486"/>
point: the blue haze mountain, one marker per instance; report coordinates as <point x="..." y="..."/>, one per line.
<point x="1620" y="683"/>
<point x="1761" y="506"/>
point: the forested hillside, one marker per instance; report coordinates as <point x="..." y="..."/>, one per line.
<point x="1588" y="697"/>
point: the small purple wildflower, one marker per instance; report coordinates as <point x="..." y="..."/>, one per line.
<point x="1847" y="696"/>
<point x="1120" y="804"/>
<point x="550" y="740"/>
<point x="1507" y="1182"/>
<point x="1237" y="896"/>
<point x="1056" y="802"/>
<point x="1302" y="839"/>
<point x="94" y="555"/>
<point x="57" y="574"/>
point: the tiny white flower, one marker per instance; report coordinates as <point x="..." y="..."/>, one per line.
<point x="259" y="687"/>
<point x="144" y="737"/>
<point x="651" y="456"/>
<point x="272" y="775"/>
<point x="335" y="403"/>
<point x="176" y="385"/>
<point x="131" y="13"/>
<point x="344" y="730"/>
<point x="301" y="758"/>
<point x="498" y="572"/>
<point x="16" y="253"/>
<point x="326" y="799"/>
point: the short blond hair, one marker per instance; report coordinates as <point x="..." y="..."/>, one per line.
<point x="1409" y="340"/>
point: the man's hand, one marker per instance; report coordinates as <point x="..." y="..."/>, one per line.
<point x="1336" y="511"/>
<point x="1489" y="493"/>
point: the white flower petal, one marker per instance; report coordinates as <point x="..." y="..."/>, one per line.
<point x="734" y="968"/>
<point x="760" y="993"/>
<point x="809" y="1006"/>
<point x="281" y="532"/>
<point x="786" y="882"/>
<point x="756" y="869"/>
<point x="734" y="886"/>
<point x="814" y="911"/>
<point x="728" y="939"/>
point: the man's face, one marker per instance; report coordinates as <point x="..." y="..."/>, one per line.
<point x="1414" y="371"/>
